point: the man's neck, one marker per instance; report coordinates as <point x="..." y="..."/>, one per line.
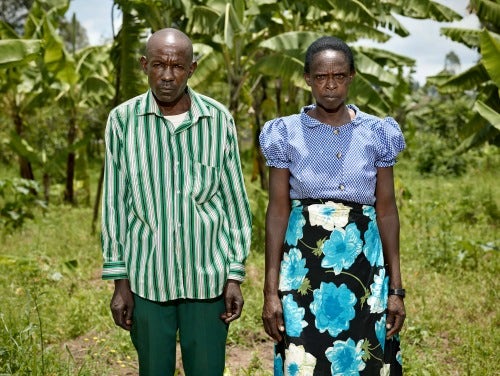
<point x="180" y="106"/>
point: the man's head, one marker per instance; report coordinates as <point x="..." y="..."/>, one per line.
<point x="168" y="64"/>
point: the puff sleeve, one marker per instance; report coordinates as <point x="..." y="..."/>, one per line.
<point x="273" y="141"/>
<point x="391" y="142"/>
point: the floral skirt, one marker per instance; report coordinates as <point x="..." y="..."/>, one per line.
<point x="334" y="294"/>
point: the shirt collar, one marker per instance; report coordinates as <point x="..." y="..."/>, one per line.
<point x="148" y="106"/>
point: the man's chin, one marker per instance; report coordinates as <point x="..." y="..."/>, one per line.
<point x="166" y="98"/>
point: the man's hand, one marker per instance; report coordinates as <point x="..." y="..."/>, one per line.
<point x="272" y="317"/>
<point x="233" y="300"/>
<point x="395" y="315"/>
<point x="122" y="304"/>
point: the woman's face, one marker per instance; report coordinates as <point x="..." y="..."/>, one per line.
<point x="329" y="79"/>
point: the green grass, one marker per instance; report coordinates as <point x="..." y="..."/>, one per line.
<point x="450" y="259"/>
<point x="54" y="311"/>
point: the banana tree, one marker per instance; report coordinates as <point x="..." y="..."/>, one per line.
<point x="56" y="83"/>
<point x="16" y="55"/>
<point x="483" y="78"/>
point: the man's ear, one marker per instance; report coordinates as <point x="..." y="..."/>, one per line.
<point x="144" y="63"/>
<point x="192" y="68"/>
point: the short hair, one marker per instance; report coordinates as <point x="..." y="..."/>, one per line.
<point x="325" y="44"/>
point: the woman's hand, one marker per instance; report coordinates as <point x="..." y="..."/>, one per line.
<point x="272" y="317"/>
<point x="395" y="315"/>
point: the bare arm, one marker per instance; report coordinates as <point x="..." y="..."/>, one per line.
<point x="278" y="211"/>
<point x="388" y="224"/>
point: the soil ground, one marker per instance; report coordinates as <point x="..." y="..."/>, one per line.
<point x="247" y="361"/>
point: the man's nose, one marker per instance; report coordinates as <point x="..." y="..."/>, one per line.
<point x="167" y="74"/>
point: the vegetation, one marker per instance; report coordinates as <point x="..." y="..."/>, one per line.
<point x="55" y="317"/>
<point x="56" y="93"/>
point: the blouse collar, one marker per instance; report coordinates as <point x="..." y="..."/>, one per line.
<point x="312" y="122"/>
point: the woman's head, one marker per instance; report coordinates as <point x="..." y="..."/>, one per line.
<point x="329" y="70"/>
<point x="325" y="44"/>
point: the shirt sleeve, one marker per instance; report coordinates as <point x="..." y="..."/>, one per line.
<point x="114" y="220"/>
<point x="236" y="206"/>
<point x="391" y="142"/>
<point x="273" y="141"/>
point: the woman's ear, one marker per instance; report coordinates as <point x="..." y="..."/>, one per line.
<point x="307" y="77"/>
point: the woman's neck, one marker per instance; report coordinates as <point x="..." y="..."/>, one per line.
<point x="336" y="117"/>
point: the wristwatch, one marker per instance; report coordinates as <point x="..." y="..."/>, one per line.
<point x="398" y="292"/>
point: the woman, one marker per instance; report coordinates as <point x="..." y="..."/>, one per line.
<point x="333" y="296"/>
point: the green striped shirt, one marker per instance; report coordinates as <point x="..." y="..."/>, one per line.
<point x="175" y="215"/>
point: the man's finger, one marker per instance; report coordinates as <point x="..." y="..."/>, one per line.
<point x="128" y="318"/>
<point x="229" y="308"/>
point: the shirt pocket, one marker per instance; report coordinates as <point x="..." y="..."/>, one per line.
<point x="206" y="180"/>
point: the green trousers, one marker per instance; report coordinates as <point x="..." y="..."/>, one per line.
<point x="202" y="336"/>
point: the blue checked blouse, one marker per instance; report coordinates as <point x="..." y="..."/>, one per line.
<point x="332" y="162"/>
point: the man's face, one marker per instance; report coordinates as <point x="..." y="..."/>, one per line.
<point x="168" y="68"/>
<point x="329" y="78"/>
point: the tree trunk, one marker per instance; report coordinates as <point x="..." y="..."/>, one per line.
<point x="25" y="169"/>
<point x="97" y="198"/>
<point x="69" y="194"/>
<point x="259" y="166"/>
<point x="46" y="187"/>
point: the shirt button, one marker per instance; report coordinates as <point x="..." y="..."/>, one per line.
<point x="335" y="131"/>
<point x="341" y="187"/>
<point x="339" y="154"/>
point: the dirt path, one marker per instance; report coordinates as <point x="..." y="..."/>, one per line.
<point x="256" y="360"/>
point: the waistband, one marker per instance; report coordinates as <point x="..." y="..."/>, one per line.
<point x="305" y="202"/>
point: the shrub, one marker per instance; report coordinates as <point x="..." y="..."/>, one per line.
<point x="18" y="201"/>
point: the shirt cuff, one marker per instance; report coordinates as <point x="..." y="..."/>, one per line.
<point x="114" y="270"/>
<point x="236" y="271"/>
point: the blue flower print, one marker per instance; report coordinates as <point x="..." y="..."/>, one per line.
<point x="346" y="357"/>
<point x="298" y="362"/>
<point x="380" y="331"/>
<point x="278" y="365"/>
<point x="333" y="307"/>
<point x="399" y="357"/>
<point x="295" y="224"/>
<point x="379" y="290"/>
<point x="369" y="211"/>
<point x="293" y="270"/>
<point x="373" y="245"/>
<point x="294" y="315"/>
<point x="342" y="248"/>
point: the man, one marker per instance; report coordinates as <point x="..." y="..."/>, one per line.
<point x="176" y="221"/>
